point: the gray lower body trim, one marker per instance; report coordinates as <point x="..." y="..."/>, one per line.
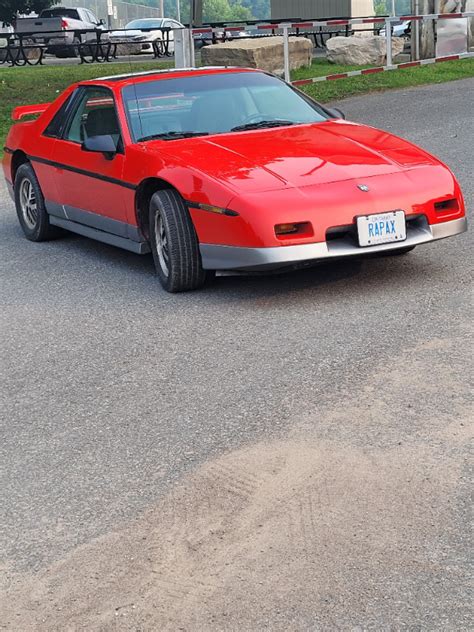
<point x="94" y="220"/>
<point x="215" y="257"/>
<point x="140" y="248"/>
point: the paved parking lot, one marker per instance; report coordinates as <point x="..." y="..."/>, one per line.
<point x="277" y="452"/>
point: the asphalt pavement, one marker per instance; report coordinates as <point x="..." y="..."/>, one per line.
<point x="116" y="394"/>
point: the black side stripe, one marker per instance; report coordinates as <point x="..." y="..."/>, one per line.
<point x="83" y="172"/>
<point x="120" y="183"/>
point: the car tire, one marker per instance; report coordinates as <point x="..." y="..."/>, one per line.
<point x="174" y="244"/>
<point x="30" y="207"/>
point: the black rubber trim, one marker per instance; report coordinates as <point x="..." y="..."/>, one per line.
<point x="140" y="248"/>
<point x="7" y="150"/>
<point x="225" y="211"/>
<point x="94" y="220"/>
<point x="83" y="172"/>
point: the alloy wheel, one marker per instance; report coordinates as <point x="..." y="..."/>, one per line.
<point x="162" y="244"/>
<point x="28" y="204"/>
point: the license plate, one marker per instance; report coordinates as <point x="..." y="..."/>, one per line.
<point x="385" y="228"/>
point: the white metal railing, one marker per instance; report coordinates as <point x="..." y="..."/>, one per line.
<point x="288" y="26"/>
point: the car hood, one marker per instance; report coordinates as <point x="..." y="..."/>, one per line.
<point x="299" y="156"/>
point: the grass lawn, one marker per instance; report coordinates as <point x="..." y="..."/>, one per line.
<point x="21" y="86"/>
<point x="341" y="88"/>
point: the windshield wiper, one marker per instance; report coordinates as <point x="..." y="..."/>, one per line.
<point x="262" y="125"/>
<point x="172" y="136"/>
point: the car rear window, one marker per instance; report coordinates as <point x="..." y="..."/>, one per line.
<point x="60" y="12"/>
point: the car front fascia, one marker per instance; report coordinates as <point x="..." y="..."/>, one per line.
<point x="216" y="257"/>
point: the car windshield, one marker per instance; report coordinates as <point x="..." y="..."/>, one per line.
<point x="145" y="24"/>
<point x="214" y="104"/>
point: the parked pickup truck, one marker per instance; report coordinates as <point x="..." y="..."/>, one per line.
<point x="62" y="29"/>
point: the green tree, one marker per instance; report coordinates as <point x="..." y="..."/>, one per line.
<point x="260" y="9"/>
<point x="213" y="10"/>
<point x="384" y="7"/>
<point x="9" y="9"/>
<point x="224" y="11"/>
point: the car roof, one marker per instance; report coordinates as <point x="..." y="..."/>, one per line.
<point x="153" y="75"/>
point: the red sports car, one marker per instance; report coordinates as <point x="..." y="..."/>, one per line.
<point x="222" y="169"/>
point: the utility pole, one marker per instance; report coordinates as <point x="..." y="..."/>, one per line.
<point x="415" y="31"/>
<point x="394" y="8"/>
<point x="162" y="8"/>
<point x="196" y="13"/>
<point x="178" y="10"/>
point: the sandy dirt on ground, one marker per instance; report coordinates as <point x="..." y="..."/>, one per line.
<point x="278" y="535"/>
<point x="251" y="533"/>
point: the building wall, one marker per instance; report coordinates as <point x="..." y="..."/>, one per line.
<point x="321" y="8"/>
<point x="310" y="8"/>
<point x="362" y="8"/>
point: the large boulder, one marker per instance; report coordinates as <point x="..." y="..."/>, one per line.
<point x="265" y="53"/>
<point x="127" y="48"/>
<point x="361" y="51"/>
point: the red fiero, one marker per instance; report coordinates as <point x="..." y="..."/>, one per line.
<point x="222" y="169"/>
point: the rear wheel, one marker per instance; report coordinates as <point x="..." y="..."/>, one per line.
<point x="174" y="244"/>
<point x="30" y="206"/>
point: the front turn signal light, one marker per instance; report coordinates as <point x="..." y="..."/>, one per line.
<point x="297" y="229"/>
<point x="447" y="206"/>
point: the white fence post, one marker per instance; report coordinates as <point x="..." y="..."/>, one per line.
<point x="417" y="31"/>
<point x="286" y="53"/>
<point x="388" y="37"/>
<point x="192" y="51"/>
<point x="182" y="53"/>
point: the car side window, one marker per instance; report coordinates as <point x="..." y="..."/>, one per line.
<point x="95" y="116"/>
<point x="92" y="18"/>
<point x="59" y="120"/>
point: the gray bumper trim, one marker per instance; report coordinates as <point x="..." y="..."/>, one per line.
<point x="216" y="257"/>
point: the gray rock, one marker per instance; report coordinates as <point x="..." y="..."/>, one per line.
<point x="361" y="51"/>
<point x="265" y="53"/>
<point x="127" y="48"/>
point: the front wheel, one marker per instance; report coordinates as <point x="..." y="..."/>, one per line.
<point x="30" y="206"/>
<point x="174" y="244"/>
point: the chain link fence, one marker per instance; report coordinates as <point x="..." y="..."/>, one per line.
<point x="124" y="12"/>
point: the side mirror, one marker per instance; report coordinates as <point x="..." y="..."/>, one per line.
<point x="101" y="22"/>
<point x="335" y="113"/>
<point x="101" y="144"/>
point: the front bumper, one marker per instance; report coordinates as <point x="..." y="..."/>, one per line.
<point x="215" y="257"/>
